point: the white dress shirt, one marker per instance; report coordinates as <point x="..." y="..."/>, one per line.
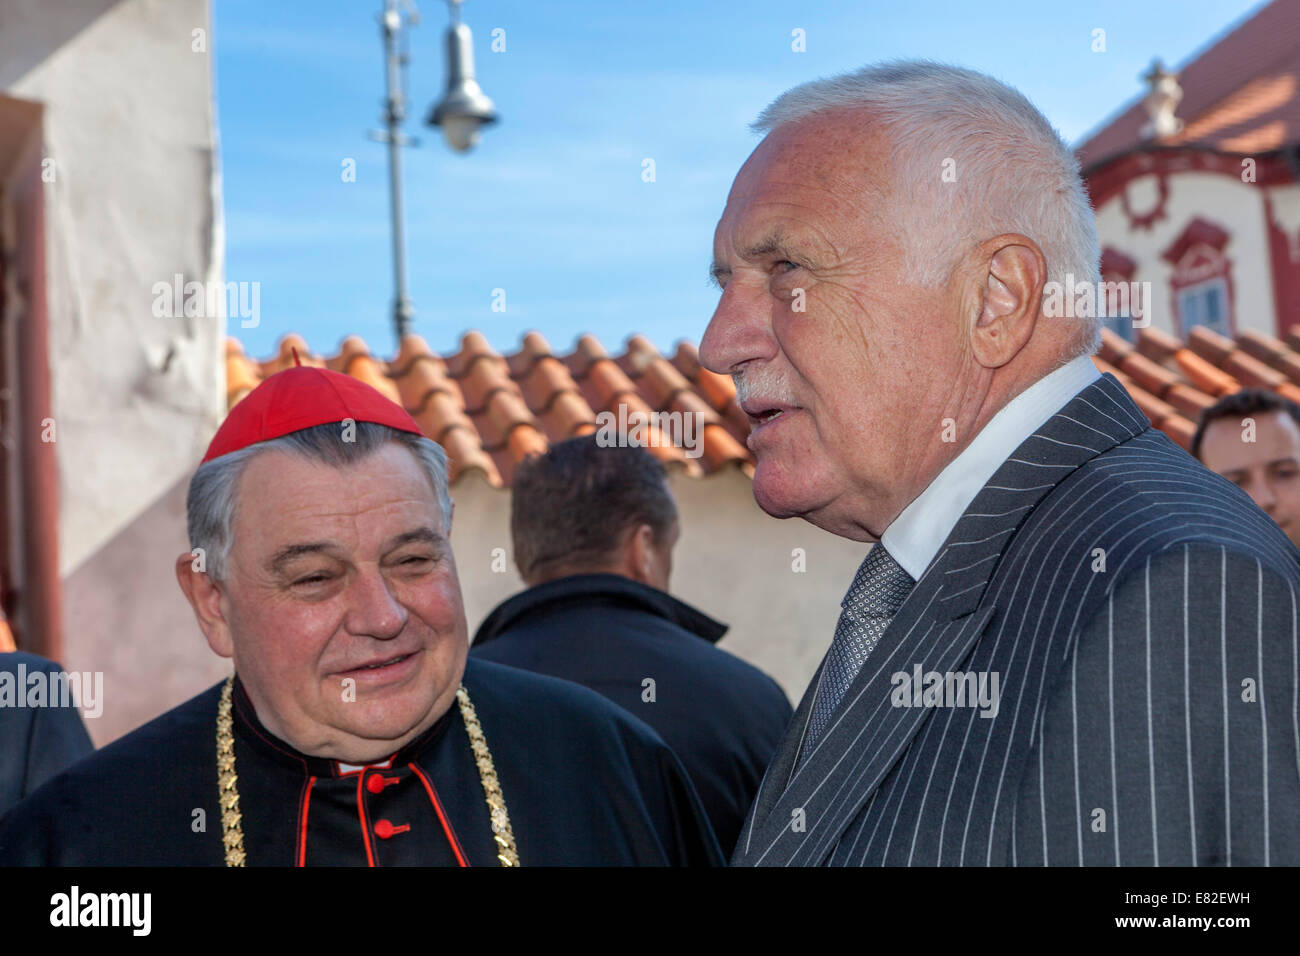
<point x="918" y="533"/>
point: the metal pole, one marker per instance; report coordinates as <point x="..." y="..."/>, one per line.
<point x="394" y="114"/>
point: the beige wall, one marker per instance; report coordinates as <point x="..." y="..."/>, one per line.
<point x="732" y="562"/>
<point x="126" y="617"/>
<point x="135" y="199"/>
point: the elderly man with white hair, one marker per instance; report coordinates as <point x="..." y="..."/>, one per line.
<point x="1069" y="643"/>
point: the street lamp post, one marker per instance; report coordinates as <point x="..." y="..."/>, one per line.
<point x="462" y="112"/>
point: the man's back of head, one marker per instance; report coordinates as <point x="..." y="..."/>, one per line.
<point x="584" y="508"/>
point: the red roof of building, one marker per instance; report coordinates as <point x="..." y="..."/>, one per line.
<point x="1240" y="95"/>
<point x="490" y="411"/>
<point x="1172" y="381"/>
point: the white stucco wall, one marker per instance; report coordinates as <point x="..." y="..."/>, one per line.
<point x="1286" y="210"/>
<point x="1237" y="207"/>
<point x="135" y="199"/>
<point x="732" y="562"/>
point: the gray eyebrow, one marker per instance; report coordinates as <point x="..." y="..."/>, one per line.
<point x="769" y="245"/>
<point x="288" y="553"/>
<point x="772" y="244"/>
<point x="425" y="535"/>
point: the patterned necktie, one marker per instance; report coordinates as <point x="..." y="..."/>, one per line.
<point x="877" y="592"/>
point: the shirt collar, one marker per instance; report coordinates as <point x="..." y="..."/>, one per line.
<point x="917" y="534"/>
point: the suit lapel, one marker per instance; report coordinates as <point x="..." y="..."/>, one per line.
<point x="936" y="628"/>
<point x="779" y="771"/>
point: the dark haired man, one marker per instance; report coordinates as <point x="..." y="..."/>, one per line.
<point x="593" y="530"/>
<point x="1252" y="438"/>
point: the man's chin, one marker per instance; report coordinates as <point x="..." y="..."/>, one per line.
<point x="376" y="724"/>
<point x="778" y="494"/>
<point x="371" y="734"/>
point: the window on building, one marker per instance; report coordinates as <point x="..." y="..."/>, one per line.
<point x="1201" y="280"/>
<point x="1206" y="304"/>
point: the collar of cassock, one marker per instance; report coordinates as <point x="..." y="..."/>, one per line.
<point x="251" y="731"/>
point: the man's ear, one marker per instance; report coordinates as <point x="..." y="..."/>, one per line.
<point x="204" y="595"/>
<point x="641" y="561"/>
<point x="1013" y="272"/>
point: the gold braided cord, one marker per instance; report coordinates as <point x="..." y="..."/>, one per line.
<point x="487" y="773"/>
<point x="232" y="833"/>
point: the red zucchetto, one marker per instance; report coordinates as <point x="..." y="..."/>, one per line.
<point x="302" y="397"/>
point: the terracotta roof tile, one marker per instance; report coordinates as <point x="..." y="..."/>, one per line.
<point x="568" y="416"/>
<point x="1155" y="378"/>
<point x="1251" y="371"/>
<point x="242" y="374"/>
<point x="1210" y="345"/>
<point x="1205" y="375"/>
<point x="490" y="411"/>
<point x="1157" y="345"/>
<point x="1188" y="400"/>
<point x="421" y="379"/>
<point x="586" y="351"/>
<point x="440" y="412"/>
<point x="1173" y="383"/>
<point x="504" y="413"/>
<point x="1113" y="348"/>
<point x="1273" y="352"/>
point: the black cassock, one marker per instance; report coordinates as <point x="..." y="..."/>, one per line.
<point x="584" y="784"/>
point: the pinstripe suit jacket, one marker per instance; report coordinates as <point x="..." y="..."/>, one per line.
<point x="1140" y="613"/>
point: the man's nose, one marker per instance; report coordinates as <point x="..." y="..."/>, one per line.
<point x="374" y="611"/>
<point x="740" y="330"/>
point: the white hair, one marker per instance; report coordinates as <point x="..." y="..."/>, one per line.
<point x="1013" y="171"/>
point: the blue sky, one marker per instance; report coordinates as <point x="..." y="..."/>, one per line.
<point x="551" y="206"/>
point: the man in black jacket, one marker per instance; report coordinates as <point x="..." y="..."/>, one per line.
<point x="593" y="529"/>
<point x="41" y="733"/>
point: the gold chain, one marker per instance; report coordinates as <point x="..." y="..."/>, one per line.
<point x="487" y="773"/>
<point x="232" y="833"/>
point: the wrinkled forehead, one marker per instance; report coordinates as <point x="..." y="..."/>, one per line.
<point x="282" y="492"/>
<point x="838" y="156"/>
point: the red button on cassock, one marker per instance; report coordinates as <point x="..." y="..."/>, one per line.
<point x="376" y="784"/>
<point x="384" y="829"/>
